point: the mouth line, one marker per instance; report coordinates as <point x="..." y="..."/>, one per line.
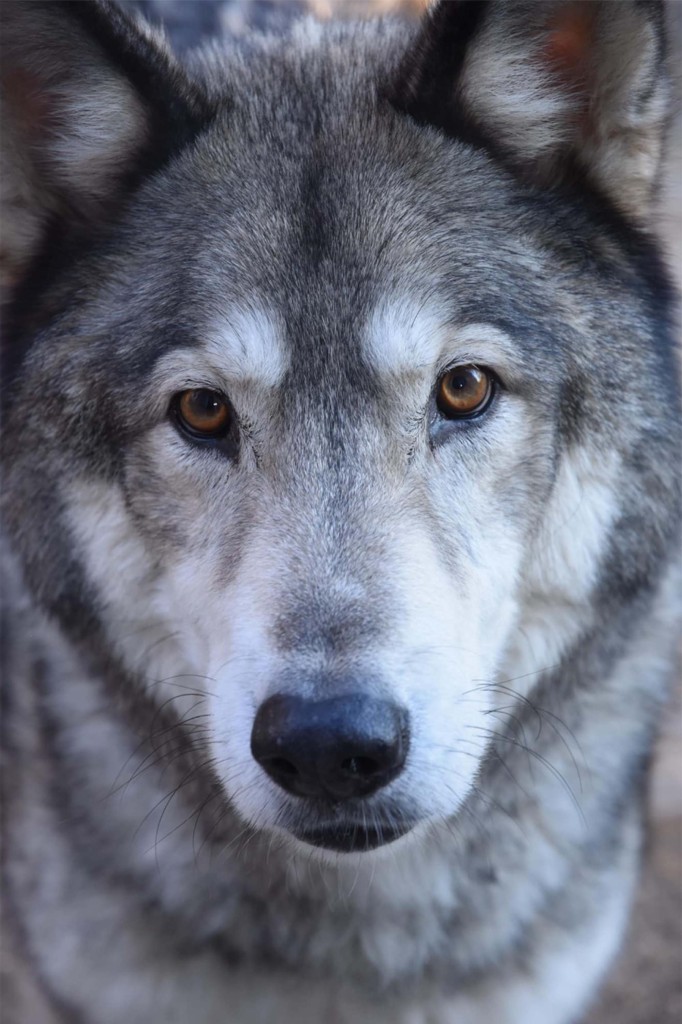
<point x="352" y="837"/>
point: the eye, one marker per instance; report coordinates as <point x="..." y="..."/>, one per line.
<point x="464" y="392"/>
<point x="203" y="413"/>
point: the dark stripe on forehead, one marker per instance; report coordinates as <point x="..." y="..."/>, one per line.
<point x="324" y="328"/>
<point x="317" y="210"/>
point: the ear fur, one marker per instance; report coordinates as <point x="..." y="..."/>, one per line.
<point x="553" y="84"/>
<point x="90" y="96"/>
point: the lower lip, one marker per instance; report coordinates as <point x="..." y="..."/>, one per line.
<point x="353" y="839"/>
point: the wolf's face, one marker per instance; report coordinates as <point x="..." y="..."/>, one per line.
<point x="334" y="421"/>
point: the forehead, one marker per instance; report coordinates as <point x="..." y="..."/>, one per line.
<point x="335" y="245"/>
<point x="313" y="203"/>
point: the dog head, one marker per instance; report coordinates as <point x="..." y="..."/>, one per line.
<point x="334" y="360"/>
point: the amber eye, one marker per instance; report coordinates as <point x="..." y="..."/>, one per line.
<point x="464" y="391"/>
<point x="203" y="413"/>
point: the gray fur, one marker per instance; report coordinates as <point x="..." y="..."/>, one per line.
<point x="271" y="210"/>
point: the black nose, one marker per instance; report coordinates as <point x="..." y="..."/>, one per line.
<point x="333" y="749"/>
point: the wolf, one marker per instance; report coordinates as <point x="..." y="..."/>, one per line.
<point x="341" y="511"/>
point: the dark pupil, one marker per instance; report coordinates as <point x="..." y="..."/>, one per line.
<point x="205" y="403"/>
<point x="460" y="381"/>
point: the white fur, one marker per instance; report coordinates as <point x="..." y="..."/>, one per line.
<point x="242" y="348"/>
<point x="563" y="564"/>
<point x="562" y="978"/>
<point x="247" y="344"/>
<point x="105" y="124"/>
<point x="406" y="335"/>
<point x="147" y="631"/>
<point x="508" y="87"/>
<point x="123" y="980"/>
<point x="436" y="638"/>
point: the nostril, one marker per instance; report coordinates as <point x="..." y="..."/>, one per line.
<point x="364" y="767"/>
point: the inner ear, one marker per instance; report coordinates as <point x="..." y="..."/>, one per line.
<point x="567" y="53"/>
<point x="569" y="48"/>
<point x="555" y="89"/>
<point x="570" y="41"/>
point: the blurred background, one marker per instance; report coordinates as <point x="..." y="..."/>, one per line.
<point x="645" y="986"/>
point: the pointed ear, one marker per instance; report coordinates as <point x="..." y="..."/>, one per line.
<point x="553" y="85"/>
<point x="90" y="99"/>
